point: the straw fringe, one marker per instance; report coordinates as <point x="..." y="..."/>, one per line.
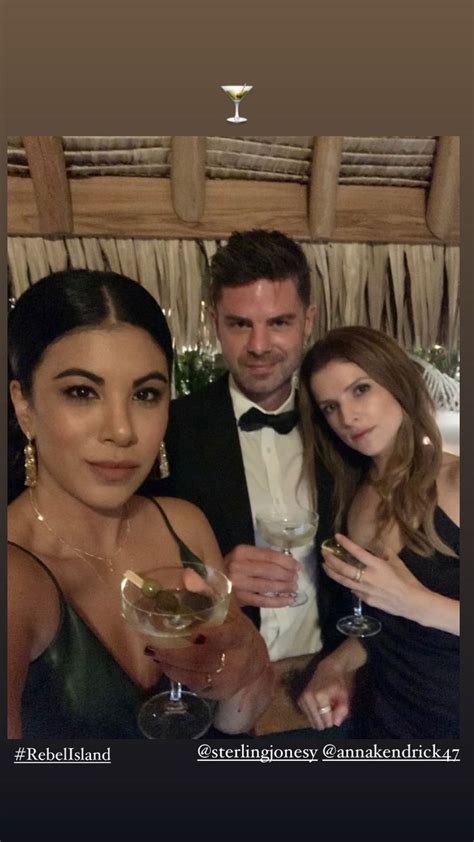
<point x="410" y="292"/>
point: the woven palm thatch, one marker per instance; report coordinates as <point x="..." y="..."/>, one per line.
<point x="390" y="161"/>
<point x="410" y="292"/>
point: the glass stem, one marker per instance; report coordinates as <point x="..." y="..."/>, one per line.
<point x="175" y="691"/>
<point x="236" y="108"/>
<point x="357" y="607"/>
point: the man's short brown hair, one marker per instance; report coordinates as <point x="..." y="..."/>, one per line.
<point x="250" y="255"/>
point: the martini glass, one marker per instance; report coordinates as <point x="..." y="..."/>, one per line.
<point x="356" y="624"/>
<point x="285" y="531"/>
<point x="172" y="604"/>
<point x="236" y="94"/>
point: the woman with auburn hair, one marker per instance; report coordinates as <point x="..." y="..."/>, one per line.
<point x="90" y="361"/>
<point x="367" y="415"/>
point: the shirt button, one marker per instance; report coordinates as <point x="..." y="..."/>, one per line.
<point x="269" y="450"/>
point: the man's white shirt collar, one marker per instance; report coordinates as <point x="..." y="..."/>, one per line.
<point x="241" y="404"/>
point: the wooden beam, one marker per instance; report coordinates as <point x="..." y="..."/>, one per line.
<point x="444" y="192"/>
<point x="48" y="171"/>
<point x="188" y="177"/>
<point x="323" y="186"/>
<point x="381" y="214"/>
<point x="116" y="206"/>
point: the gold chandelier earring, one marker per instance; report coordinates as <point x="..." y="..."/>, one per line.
<point x="164" y="467"/>
<point x="31" y="473"/>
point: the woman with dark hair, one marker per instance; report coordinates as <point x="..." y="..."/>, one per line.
<point x="367" y="415"/>
<point x="90" y="358"/>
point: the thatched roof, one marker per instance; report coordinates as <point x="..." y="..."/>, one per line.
<point x="362" y="189"/>
<point x="389" y="161"/>
<point x="378" y="218"/>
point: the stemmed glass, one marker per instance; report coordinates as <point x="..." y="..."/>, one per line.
<point x="356" y="624"/>
<point x="236" y="93"/>
<point x="287" y="530"/>
<point x="169" y="605"/>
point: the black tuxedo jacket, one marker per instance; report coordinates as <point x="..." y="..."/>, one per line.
<point x="206" y="468"/>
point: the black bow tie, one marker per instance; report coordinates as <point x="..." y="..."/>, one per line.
<point x="283" y="423"/>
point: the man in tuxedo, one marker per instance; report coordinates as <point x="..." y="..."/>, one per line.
<point x="234" y="448"/>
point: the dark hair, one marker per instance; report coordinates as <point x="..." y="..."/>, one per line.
<point x="250" y="255"/>
<point x="58" y="304"/>
<point x="407" y="489"/>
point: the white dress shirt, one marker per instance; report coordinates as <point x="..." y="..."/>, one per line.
<point x="273" y="464"/>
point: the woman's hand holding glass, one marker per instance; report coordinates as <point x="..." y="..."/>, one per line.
<point x="200" y="639"/>
<point x="356" y="624"/>
<point x="171" y="605"/>
<point x="245" y="660"/>
<point x="386" y="582"/>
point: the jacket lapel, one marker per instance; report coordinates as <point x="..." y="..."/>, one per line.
<point x="221" y="449"/>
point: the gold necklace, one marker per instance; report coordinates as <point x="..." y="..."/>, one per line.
<point x="83" y="554"/>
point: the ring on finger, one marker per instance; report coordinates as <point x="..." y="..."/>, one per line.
<point x="325" y="709"/>
<point x="358" y="575"/>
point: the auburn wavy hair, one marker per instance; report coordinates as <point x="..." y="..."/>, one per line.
<point x="407" y="489"/>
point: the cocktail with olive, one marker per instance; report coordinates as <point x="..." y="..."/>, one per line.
<point x="170" y="604"/>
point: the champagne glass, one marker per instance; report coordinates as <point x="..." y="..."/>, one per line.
<point x="236" y="94"/>
<point x="356" y="624"/>
<point x="170" y="605"/>
<point x="284" y="531"/>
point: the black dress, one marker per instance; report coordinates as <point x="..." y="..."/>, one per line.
<point x="411" y="689"/>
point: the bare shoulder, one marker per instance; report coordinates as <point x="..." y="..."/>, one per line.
<point x="33" y="619"/>
<point x="192" y="526"/>
<point x="175" y="507"/>
<point x="448" y="486"/>
<point x="33" y="602"/>
<point x="185" y="516"/>
<point x="176" y="510"/>
<point x="28" y="579"/>
<point x="448" y="476"/>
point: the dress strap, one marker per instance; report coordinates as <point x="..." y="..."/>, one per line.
<point x="188" y="558"/>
